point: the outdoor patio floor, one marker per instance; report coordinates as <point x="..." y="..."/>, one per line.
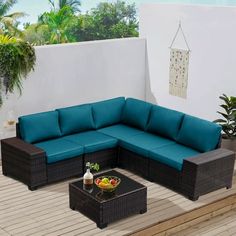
<point x="46" y="211"/>
<point x="222" y="225"/>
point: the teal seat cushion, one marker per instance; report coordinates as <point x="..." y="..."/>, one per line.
<point x="172" y="155"/>
<point x="60" y="149"/>
<point x="76" y="119"/>
<point x="136" y="113"/>
<point x="120" y="131"/>
<point x="165" y="122"/>
<point x="199" y="134"/>
<point x="108" y="112"/>
<point x="143" y="143"/>
<point x="92" y="141"/>
<point x="39" y="126"/>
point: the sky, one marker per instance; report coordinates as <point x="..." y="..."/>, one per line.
<point x="35" y="7"/>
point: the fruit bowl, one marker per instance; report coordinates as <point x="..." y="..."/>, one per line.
<point x="107" y="184"/>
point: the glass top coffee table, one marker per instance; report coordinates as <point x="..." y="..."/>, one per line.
<point x="129" y="198"/>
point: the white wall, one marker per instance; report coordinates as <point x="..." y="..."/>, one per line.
<point x="77" y="73"/>
<point x="211" y="34"/>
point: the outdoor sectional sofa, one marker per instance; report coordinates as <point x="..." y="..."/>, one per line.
<point x="177" y="150"/>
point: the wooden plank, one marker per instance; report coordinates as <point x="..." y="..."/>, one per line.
<point x="125" y="226"/>
<point x="46" y="211"/>
<point x="187" y="216"/>
<point x="3" y="233"/>
<point x="173" y="211"/>
<point x="231" y="230"/>
<point x="214" y="224"/>
<point x="219" y="229"/>
<point x="221" y="225"/>
<point x="191" y="225"/>
<point x="133" y="220"/>
<point x="159" y="215"/>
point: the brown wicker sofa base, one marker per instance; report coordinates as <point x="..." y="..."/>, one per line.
<point x="24" y="162"/>
<point x="133" y="162"/>
<point x="27" y="163"/>
<point x="105" y="158"/>
<point x="207" y="172"/>
<point x="200" y="175"/>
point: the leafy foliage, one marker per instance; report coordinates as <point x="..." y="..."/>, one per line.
<point x="36" y="34"/>
<point x="107" y="21"/>
<point x="62" y="25"/>
<point x="228" y="122"/>
<point x="73" y="4"/>
<point x="17" y="59"/>
<point x="8" y="22"/>
<point x="58" y="23"/>
<point x="93" y="166"/>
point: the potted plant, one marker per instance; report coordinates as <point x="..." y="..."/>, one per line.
<point x="17" y="59"/>
<point x="228" y="122"/>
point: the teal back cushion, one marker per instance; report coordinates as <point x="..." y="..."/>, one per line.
<point x="165" y="122"/>
<point x="108" y="112"/>
<point x="40" y="126"/>
<point x="76" y="119"/>
<point x="199" y="134"/>
<point x="136" y="113"/>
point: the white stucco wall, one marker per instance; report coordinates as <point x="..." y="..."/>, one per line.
<point x="78" y="73"/>
<point x="211" y="35"/>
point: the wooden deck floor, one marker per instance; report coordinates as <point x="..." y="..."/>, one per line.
<point x="46" y="211"/>
<point x="222" y="225"/>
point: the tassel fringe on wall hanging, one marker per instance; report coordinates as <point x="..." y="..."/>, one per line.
<point x="179" y="63"/>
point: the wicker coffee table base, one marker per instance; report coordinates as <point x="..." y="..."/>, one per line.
<point x="109" y="210"/>
<point x="103" y="214"/>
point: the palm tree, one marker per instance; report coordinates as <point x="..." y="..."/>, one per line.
<point x="74" y="4"/>
<point x="8" y="22"/>
<point x="57" y="23"/>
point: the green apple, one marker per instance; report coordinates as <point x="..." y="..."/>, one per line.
<point x="105" y="181"/>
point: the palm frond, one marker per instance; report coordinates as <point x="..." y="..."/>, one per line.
<point x="6" y="6"/>
<point x="220" y="121"/>
<point x="16" y="15"/>
<point x="5" y="39"/>
<point x="73" y="4"/>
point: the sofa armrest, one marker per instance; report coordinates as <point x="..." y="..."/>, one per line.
<point x="28" y="150"/>
<point x="207" y="172"/>
<point x="211" y="156"/>
<point x="24" y="161"/>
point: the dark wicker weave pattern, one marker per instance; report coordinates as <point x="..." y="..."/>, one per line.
<point x="207" y="172"/>
<point x="27" y="163"/>
<point x="114" y="208"/>
<point x="79" y="201"/>
<point x="164" y="175"/>
<point x="134" y="162"/>
<point x="65" y="169"/>
<point x="105" y="158"/>
<point x="24" y="162"/>
<point x="200" y="175"/>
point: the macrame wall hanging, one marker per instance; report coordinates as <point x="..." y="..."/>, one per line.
<point x="179" y="63"/>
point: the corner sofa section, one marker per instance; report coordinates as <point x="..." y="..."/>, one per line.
<point x="166" y="146"/>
